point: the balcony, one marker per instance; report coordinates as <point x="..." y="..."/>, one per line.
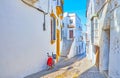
<point x="71" y="26"/>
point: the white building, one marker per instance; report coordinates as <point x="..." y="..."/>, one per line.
<point x="72" y="35"/>
<point x="29" y="29"/>
<point x="104" y="23"/>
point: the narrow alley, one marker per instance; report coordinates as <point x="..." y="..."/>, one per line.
<point x="75" y="67"/>
<point x="59" y="38"/>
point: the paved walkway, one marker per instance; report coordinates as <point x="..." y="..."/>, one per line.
<point x="92" y="73"/>
<point x="73" y="68"/>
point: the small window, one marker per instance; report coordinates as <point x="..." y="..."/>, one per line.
<point x="71" y="21"/>
<point x="63" y="25"/>
<point x="70" y="33"/>
<point x="53" y="29"/>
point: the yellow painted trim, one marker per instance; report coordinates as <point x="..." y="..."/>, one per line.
<point x="57" y="22"/>
<point x="57" y="57"/>
<point x="57" y="44"/>
<point x="61" y="17"/>
<point x="52" y="41"/>
<point x="59" y="10"/>
<point x="52" y="14"/>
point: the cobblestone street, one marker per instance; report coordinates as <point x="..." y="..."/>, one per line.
<point x="72" y="68"/>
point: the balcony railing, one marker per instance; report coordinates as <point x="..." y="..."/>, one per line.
<point x="71" y="26"/>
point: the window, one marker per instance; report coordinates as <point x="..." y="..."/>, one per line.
<point x="63" y="25"/>
<point x="71" y="21"/>
<point x="53" y="29"/>
<point x="70" y="33"/>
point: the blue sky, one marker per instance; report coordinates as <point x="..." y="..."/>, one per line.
<point x="77" y="6"/>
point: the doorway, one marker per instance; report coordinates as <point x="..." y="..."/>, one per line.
<point x="97" y="52"/>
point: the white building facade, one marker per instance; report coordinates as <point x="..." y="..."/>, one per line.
<point x="29" y="29"/>
<point x="103" y="22"/>
<point x="72" y="32"/>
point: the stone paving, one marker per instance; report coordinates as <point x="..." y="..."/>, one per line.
<point x="92" y="73"/>
<point x="71" y="68"/>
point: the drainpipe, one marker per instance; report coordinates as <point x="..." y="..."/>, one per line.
<point x="45" y="13"/>
<point x="97" y="14"/>
<point x="107" y="1"/>
<point x="94" y="15"/>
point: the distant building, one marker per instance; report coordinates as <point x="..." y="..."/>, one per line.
<point x="29" y="29"/>
<point x="103" y="37"/>
<point x="72" y="35"/>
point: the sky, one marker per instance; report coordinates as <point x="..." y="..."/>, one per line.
<point x="76" y="6"/>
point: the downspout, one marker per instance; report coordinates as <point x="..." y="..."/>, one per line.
<point x="44" y="28"/>
<point x="103" y="6"/>
<point x="97" y="14"/>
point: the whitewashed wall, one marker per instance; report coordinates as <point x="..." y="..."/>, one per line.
<point x="66" y="22"/>
<point x="23" y="43"/>
<point x="104" y="51"/>
<point x="72" y="52"/>
<point x="89" y="15"/>
<point x="79" y="35"/>
<point x="114" y="68"/>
